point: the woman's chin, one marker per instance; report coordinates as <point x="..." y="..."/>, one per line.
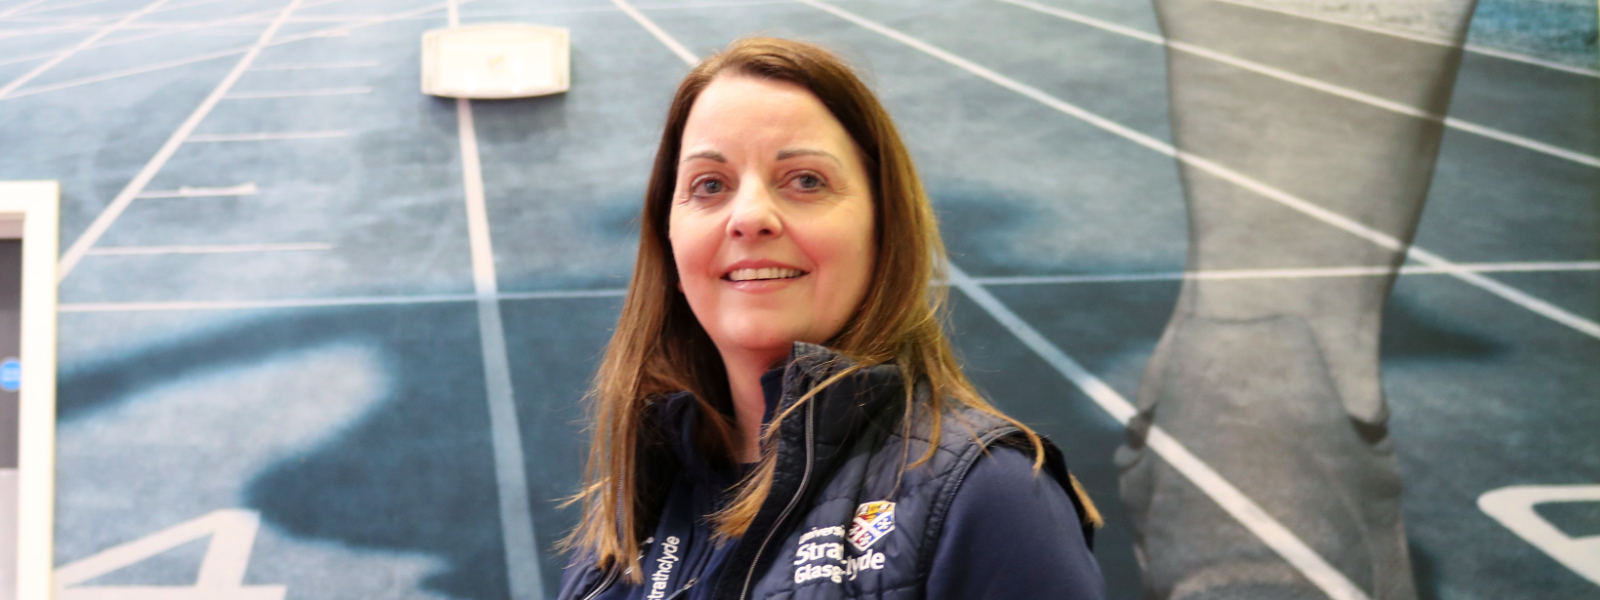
<point x="769" y="342"/>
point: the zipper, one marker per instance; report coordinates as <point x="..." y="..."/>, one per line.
<point x="611" y="577"/>
<point x="694" y="561"/>
<point x="804" y="478"/>
<point x="683" y="589"/>
<point x="611" y="574"/>
<point x="702" y="551"/>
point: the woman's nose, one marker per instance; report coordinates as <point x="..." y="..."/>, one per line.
<point x="755" y="214"/>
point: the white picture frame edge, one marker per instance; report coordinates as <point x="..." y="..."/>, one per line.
<point x="38" y="203"/>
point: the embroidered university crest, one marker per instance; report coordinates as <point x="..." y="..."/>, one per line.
<point x="873" y="521"/>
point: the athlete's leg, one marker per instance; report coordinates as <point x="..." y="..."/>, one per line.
<point x="1274" y="382"/>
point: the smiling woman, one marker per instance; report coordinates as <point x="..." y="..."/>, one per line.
<point x="770" y="417"/>
<point x="771" y="231"/>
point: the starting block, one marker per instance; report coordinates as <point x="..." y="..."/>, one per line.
<point x="500" y="60"/>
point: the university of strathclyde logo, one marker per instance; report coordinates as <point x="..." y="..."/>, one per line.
<point x="873" y="521"/>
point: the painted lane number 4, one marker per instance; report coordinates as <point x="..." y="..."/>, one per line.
<point x="232" y="534"/>
<point x="1513" y="507"/>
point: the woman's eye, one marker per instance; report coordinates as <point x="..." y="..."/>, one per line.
<point x="808" y="181"/>
<point x="710" y="186"/>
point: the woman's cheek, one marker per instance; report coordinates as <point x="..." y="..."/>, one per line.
<point x="846" y="249"/>
<point x="691" y="250"/>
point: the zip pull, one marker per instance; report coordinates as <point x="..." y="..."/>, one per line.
<point x="683" y="589"/>
<point x="611" y="577"/>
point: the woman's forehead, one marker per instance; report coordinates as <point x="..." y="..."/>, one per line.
<point x="738" y="114"/>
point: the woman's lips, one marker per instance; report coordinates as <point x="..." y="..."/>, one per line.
<point x="763" y="273"/>
<point x="763" y="285"/>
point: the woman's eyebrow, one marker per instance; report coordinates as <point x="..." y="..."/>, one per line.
<point x="709" y="154"/>
<point x="793" y="152"/>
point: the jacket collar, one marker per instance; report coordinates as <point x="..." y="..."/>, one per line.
<point x="841" y="410"/>
<point x="844" y="408"/>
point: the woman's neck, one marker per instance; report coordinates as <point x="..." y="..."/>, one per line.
<point x="749" y="401"/>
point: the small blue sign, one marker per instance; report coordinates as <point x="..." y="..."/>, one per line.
<point x="11" y="375"/>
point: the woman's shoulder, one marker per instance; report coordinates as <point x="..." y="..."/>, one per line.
<point x="1013" y="532"/>
<point x="994" y="454"/>
<point x="1000" y="472"/>
<point x="960" y="422"/>
<point x="946" y="450"/>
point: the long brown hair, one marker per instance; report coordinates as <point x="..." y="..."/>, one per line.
<point x="659" y="346"/>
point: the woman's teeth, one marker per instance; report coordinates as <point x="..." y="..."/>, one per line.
<point x="770" y="273"/>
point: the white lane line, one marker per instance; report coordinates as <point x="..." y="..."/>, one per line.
<point x="1531" y="144"/>
<point x="18" y="8"/>
<point x="34" y="11"/>
<point x="1305" y="273"/>
<point x="1523" y="58"/>
<point x="563" y="294"/>
<point x="65" y="54"/>
<point x="57" y="7"/>
<point x="502" y="14"/>
<point x="1321" y="86"/>
<point x="345" y="18"/>
<point x="1497" y="53"/>
<point x="1514" y="508"/>
<point x="267" y="137"/>
<point x="1521" y="298"/>
<point x="181" y="5"/>
<point x="169" y="28"/>
<point x="78" y="19"/>
<point x="27" y="57"/>
<point x="606" y="293"/>
<point x="298" y="93"/>
<point x="354" y="64"/>
<point x="523" y="569"/>
<point x="699" y="5"/>
<point x="96" y="229"/>
<point x="69" y="19"/>
<point x="59" y="28"/>
<point x="71" y="83"/>
<point x="230" y="533"/>
<point x="661" y="36"/>
<point x="97" y="307"/>
<point x="1379" y="238"/>
<point x="215" y="249"/>
<point x="1271" y="532"/>
<point x="321" y="33"/>
<point x="89" y="19"/>
<point x="176" y="24"/>
<point x="378" y="20"/>
<point x="225" y="34"/>
<point x="243" y="189"/>
<point x="1090" y="21"/>
<point x="1306" y="207"/>
<point x="348" y="17"/>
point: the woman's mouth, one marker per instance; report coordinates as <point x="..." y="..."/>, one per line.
<point x="762" y="274"/>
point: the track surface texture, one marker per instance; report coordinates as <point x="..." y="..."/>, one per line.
<point x="275" y="337"/>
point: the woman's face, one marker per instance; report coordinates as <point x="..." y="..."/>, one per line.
<point x="772" y="218"/>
